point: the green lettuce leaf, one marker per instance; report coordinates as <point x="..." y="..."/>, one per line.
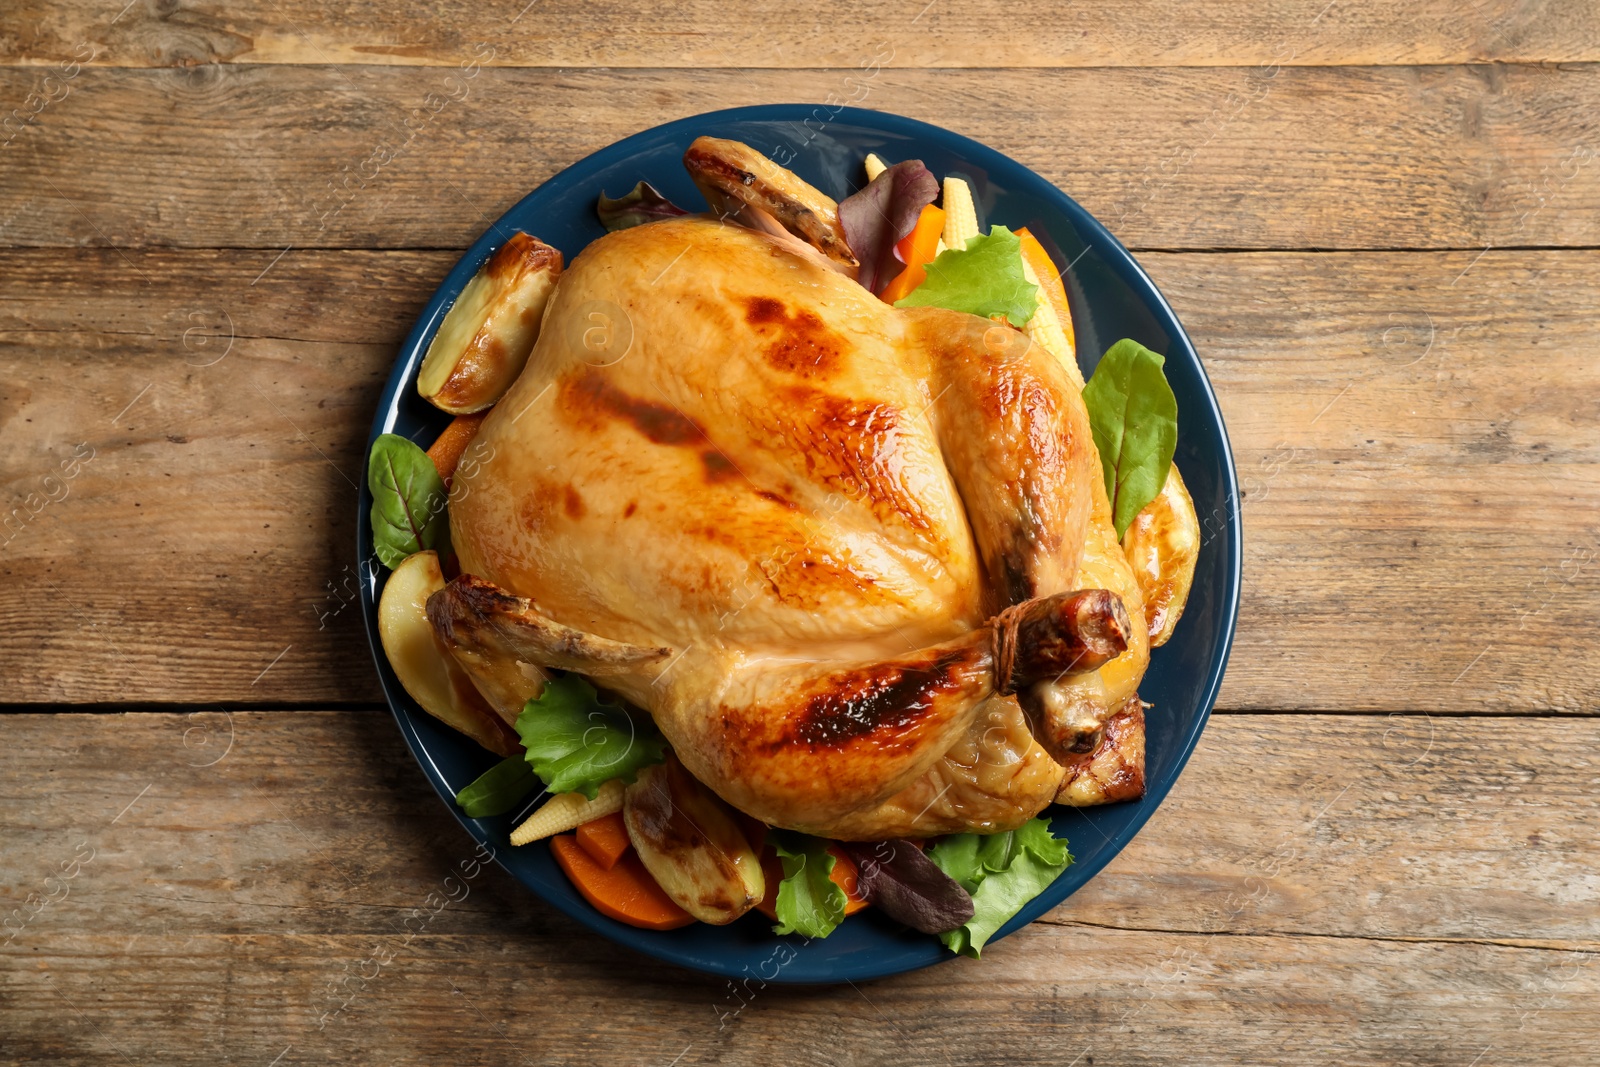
<point x="498" y="789"/>
<point x="576" y="743"/>
<point x="1002" y="872"/>
<point x="408" y="501"/>
<point x="809" y="902"/>
<point x="1134" y="418"/>
<point x="985" y="278"/>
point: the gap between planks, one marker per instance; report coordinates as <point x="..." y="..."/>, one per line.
<point x="1524" y="944"/>
<point x="665" y="68"/>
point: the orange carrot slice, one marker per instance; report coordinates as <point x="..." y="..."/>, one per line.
<point x="918" y="249"/>
<point x="447" y="450"/>
<point x="847" y="876"/>
<point x="1049" y="281"/>
<point x="605" y="839"/>
<point x="625" y="893"/>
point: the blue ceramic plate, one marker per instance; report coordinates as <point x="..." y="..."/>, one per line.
<point x="1111" y="298"/>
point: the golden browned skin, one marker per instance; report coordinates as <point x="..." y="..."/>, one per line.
<point x="995" y="777"/>
<point x="814" y="499"/>
<point x="1115" y="769"/>
<point x="1069" y="715"/>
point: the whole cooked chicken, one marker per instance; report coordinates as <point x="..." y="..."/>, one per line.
<point x="855" y="560"/>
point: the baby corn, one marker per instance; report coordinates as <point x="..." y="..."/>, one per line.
<point x="568" y="811"/>
<point x="960" y="216"/>
<point x="875" y="166"/>
<point x="1045" y="330"/>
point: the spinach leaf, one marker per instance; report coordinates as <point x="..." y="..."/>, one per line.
<point x="498" y="789"/>
<point x="639" y="205"/>
<point x="1002" y="872"/>
<point x="408" y="501"/>
<point x="576" y="743"/>
<point x="985" y="278"/>
<point x="809" y="901"/>
<point x="883" y="212"/>
<point x="1134" y="417"/>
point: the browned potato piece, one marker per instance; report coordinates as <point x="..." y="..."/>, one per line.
<point x="486" y="336"/>
<point x="690" y="844"/>
<point x="731" y="173"/>
<point x="427" y="671"/>
<point x="1162" y="545"/>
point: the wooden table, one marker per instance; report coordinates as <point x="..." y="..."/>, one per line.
<point x="1379" y="222"/>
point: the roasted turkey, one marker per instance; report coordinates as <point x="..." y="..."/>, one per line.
<point x="856" y="561"/>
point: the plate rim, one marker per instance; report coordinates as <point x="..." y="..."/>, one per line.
<point x="1115" y="254"/>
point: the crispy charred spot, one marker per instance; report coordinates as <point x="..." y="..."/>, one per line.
<point x="660" y="820"/>
<point x="718" y="468"/>
<point x="466" y="600"/>
<point x="886" y="699"/>
<point x="1115" y="763"/>
<point x="591" y="393"/>
<point x="801" y="342"/>
<point x="706" y="164"/>
<point x="774" y="498"/>
<point x="573" y="503"/>
<point x="627" y="512"/>
<point x="1016" y="581"/>
<point x="763" y="311"/>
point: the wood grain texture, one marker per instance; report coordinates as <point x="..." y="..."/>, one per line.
<point x="949" y="33"/>
<point x="1420" y="519"/>
<point x="1373" y="891"/>
<point x="382" y="157"/>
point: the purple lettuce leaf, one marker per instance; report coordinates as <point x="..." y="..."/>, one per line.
<point x="640" y="205"/>
<point x="874" y="218"/>
<point x="900" y="879"/>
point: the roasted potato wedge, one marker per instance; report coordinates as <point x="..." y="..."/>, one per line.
<point x="691" y="845"/>
<point x="486" y="336"/>
<point x="427" y="671"/>
<point x="1162" y="544"/>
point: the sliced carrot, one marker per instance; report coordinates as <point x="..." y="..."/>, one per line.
<point x="446" y="451"/>
<point x="625" y="893"/>
<point x="918" y="249"/>
<point x="1049" y="281"/>
<point x="845" y="875"/>
<point x="605" y="839"/>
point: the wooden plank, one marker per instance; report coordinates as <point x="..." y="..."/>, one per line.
<point x="699" y="35"/>
<point x="206" y="547"/>
<point x="1397" y="474"/>
<point x="1418" y="458"/>
<point x="1420" y="897"/>
<point x="382" y="157"/>
<point x="1420" y="529"/>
